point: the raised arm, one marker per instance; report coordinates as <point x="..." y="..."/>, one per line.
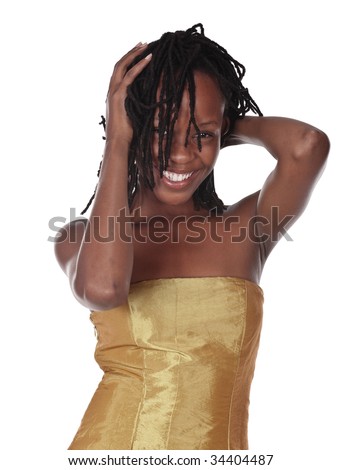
<point x="301" y="151"/>
<point x="100" y="271"/>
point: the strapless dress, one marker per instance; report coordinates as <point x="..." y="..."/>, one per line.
<point x="178" y="361"/>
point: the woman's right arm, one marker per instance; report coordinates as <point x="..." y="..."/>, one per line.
<point x="100" y="271"/>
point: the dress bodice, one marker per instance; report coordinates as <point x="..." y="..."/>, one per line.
<point x="178" y="361"/>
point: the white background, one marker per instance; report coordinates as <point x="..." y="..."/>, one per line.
<point x="56" y="61"/>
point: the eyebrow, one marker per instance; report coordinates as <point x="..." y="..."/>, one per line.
<point x="206" y="123"/>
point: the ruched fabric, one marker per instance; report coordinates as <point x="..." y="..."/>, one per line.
<point x="178" y="362"/>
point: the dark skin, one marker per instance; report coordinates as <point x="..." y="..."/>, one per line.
<point x="100" y="274"/>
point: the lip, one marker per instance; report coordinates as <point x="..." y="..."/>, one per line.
<point x="179" y="184"/>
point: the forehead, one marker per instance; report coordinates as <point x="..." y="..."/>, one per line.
<point x="209" y="100"/>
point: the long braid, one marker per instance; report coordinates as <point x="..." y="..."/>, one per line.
<point x="175" y="57"/>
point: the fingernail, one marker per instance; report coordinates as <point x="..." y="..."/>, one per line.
<point x="148" y="56"/>
<point x="138" y="45"/>
<point x="143" y="44"/>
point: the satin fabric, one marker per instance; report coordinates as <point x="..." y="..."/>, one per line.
<point x="178" y="362"/>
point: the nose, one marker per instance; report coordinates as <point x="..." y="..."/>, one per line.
<point x="181" y="154"/>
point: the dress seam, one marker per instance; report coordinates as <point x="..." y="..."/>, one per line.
<point x="174" y="406"/>
<point x="237" y="366"/>
<point x="178" y="373"/>
<point x="143" y="395"/>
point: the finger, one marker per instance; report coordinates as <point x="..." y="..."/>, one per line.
<point x="124" y="62"/>
<point x="120" y="67"/>
<point x="137" y="69"/>
<point x="140" y="45"/>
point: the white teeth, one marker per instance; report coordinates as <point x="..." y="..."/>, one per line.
<point x="176" y="176"/>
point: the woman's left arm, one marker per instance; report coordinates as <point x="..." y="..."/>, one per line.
<point x="301" y="151"/>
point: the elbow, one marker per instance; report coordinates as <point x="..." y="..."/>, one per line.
<point x="95" y="296"/>
<point x="313" y="148"/>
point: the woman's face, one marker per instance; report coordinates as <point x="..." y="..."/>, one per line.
<point x="188" y="166"/>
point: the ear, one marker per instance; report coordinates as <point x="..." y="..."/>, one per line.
<point x="224" y="130"/>
<point x="225" y="125"/>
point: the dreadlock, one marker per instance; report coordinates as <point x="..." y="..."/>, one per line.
<point x="175" y="57"/>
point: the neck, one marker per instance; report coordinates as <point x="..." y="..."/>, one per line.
<point x="149" y="206"/>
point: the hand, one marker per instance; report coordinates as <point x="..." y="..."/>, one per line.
<point x="230" y="139"/>
<point x="234" y="136"/>
<point x="118" y="124"/>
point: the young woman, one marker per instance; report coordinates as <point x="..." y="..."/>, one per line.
<point x="168" y="271"/>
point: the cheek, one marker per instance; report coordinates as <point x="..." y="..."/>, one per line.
<point x="210" y="152"/>
<point x="155" y="147"/>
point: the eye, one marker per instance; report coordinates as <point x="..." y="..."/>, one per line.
<point x="157" y="130"/>
<point x="204" y="135"/>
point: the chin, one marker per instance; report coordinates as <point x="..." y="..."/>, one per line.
<point x="173" y="199"/>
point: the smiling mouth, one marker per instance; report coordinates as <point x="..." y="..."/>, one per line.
<point x="176" y="176"/>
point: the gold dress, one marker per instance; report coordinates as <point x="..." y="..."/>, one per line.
<point x="178" y="362"/>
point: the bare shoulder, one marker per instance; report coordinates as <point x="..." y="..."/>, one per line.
<point x="68" y="241"/>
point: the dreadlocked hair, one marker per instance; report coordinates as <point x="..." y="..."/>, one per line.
<point x="175" y="58"/>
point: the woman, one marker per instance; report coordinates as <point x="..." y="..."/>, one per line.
<point x="169" y="273"/>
